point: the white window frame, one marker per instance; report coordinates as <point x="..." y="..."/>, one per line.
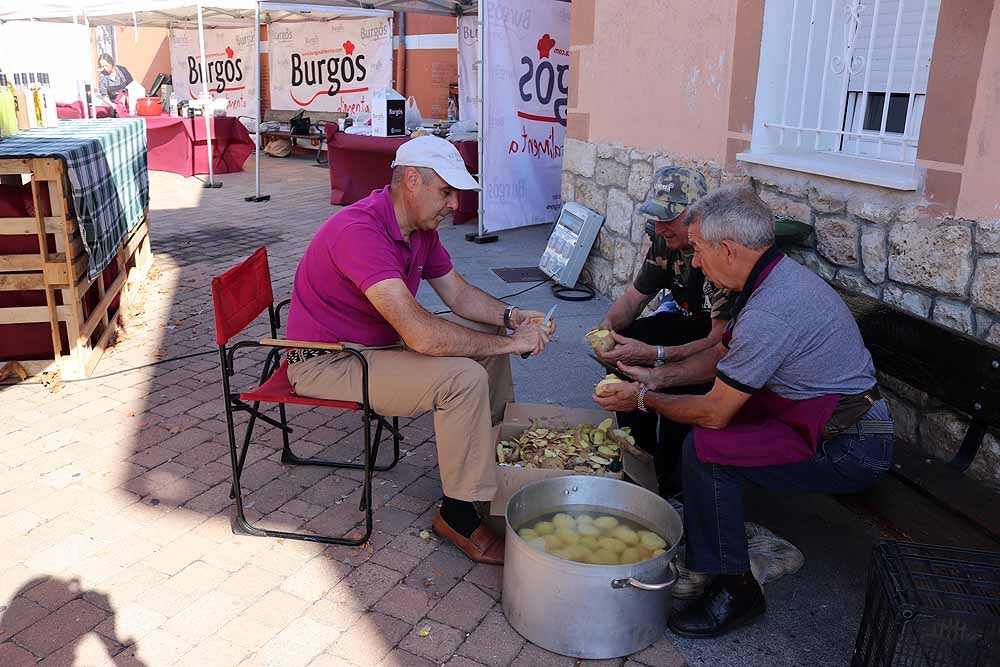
<point x="820" y="69"/>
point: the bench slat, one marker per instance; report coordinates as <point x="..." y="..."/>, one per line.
<point x="950" y="366"/>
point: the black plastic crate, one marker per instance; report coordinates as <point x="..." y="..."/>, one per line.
<point x="930" y="606"/>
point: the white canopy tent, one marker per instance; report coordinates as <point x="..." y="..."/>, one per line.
<point x="232" y="13"/>
<point x="211" y="14"/>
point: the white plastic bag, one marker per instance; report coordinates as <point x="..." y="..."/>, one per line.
<point x="413" y="118"/>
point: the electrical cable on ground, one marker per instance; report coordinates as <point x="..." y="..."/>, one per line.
<point x="118" y="372"/>
<point x="557" y="290"/>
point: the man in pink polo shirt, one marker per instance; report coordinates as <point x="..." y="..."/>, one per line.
<point x="357" y="283"/>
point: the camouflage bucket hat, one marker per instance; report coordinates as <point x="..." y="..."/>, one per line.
<point x="674" y="188"/>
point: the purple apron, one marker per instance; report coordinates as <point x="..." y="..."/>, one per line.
<point x="769" y="430"/>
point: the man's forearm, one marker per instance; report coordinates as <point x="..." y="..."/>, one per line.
<point x="476" y="305"/>
<point x="696" y="369"/>
<point x="625" y="309"/>
<point x="695" y="410"/>
<point x="447" y="339"/>
<point x="679" y="352"/>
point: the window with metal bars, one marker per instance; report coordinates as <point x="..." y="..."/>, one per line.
<point x="843" y="79"/>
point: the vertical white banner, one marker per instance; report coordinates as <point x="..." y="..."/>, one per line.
<point x="330" y="65"/>
<point x="468" y="69"/>
<point x="526" y="95"/>
<point x="230" y="66"/>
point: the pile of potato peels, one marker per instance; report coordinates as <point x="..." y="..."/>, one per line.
<point x="585" y="448"/>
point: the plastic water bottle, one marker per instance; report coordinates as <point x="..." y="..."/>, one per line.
<point x="172" y="108"/>
<point x="451" y="108"/>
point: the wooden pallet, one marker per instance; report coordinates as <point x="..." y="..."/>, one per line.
<point x="82" y="314"/>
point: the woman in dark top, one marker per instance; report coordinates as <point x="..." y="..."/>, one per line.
<point x="114" y="77"/>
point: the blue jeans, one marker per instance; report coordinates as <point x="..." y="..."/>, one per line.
<point x="713" y="501"/>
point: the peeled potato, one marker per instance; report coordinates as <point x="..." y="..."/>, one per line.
<point x="605" y="557"/>
<point x="552" y="542"/>
<point x="645" y="552"/>
<point x="527" y="534"/>
<point x="602" y="522"/>
<point x="588" y="541"/>
<point x="563" y="521"/>
<point x="544" y="528"/>
<point x="658" y="552"/>
<point x="584" y="518"/>
<point x="567" y="536"/>
<point x="630" y="555"/>
<point x="611" y="544"/>
<point x="588" y="529"/>
<point x="608" y="380"/>
<point x="538" y="543"/>
<point x="626" y="535"/>
<point x="652" y="540"/>
<point x="600" y="339"/>
<point x="579" y="553"/>
<point x="560" y="553"/>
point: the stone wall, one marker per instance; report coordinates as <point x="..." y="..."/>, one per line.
<point x="867" y="239"/>
<point x="614" y="181"/>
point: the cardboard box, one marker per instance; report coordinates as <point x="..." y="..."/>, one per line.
<point x="389" y="118"/>
<point x="517" y="418"/>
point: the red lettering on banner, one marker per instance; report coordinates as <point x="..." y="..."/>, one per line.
<point x="361" y="106"/>
<point x="536" y="148"/>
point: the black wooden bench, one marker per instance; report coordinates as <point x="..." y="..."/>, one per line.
<point x="958" y="373"/>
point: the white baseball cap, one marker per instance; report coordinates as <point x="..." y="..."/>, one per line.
<point x="437" y="154"/>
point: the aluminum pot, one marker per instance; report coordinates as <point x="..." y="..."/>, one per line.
<point x="580" y="610"/>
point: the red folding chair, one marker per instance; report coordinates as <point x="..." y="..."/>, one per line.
<point x="240" y="295"/>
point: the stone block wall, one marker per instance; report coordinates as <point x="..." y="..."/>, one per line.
<point x="866" y="239"/>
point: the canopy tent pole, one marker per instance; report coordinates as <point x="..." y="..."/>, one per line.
<point x="257" y="197"/>
<point x="481" y="25"/>
<point x="206" y="112"/>
<point x="93" y="91"/>
<point x="82" y="91"/>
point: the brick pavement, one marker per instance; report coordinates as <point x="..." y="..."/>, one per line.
<point x="114" y="505"/>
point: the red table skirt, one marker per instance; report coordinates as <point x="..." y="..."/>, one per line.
<point x="360" y="164"/>
<point x="179" y="145"/>
<point x="75" y="110"/>
<point x="33" y="340"/>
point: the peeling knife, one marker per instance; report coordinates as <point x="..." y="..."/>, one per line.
<point x="546" y="321"/>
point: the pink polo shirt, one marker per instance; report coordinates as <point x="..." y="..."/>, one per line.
<point x="359" y="246"/>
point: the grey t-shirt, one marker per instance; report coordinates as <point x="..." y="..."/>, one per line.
<point x="797" y="338"/>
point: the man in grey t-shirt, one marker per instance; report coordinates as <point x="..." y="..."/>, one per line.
<point x="793" y="407"/>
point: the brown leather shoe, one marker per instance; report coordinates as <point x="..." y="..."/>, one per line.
<point x="483" y="546"/>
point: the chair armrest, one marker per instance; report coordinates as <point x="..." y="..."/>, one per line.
<point x="302" y="344"/>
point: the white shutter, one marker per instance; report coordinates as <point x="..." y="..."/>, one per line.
<point x="906" y="44"/>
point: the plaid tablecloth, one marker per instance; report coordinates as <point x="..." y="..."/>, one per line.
<point x="105" y="160"/>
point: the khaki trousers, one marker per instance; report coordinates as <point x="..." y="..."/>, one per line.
<point x="467" y="397"/>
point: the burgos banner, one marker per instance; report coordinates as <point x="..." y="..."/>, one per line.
<point x="329" y="66"/>
<point x="230" y="66"/>
<point x="527" y="91"/>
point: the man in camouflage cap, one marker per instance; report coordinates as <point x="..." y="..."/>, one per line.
<point x="692" y="318"/>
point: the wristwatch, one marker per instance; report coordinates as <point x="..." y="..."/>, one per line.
<point x="506" y="316"/>
<point x="661" y="356"/>
<point x="641" y="398"/>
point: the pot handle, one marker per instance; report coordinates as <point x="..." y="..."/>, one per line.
<point x="641" y="585"/>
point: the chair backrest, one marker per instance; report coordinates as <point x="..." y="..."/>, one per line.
<point x="240" y="295"/>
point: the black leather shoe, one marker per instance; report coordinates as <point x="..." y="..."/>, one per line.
<point x="721" y="609"/>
